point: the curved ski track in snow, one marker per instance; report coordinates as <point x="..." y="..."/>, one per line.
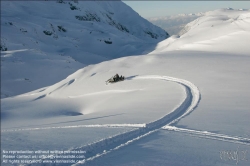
<point x="110" y="144"/>
<point x="192" y="95"/>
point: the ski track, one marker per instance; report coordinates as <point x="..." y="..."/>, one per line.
<point x="192" y="93"/>
<point x="209" y="135"/>
<point x="79" y="126"/>
<point x="110" y="144"/>
<point x="113" y="143"/>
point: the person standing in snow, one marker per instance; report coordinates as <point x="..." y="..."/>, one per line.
<point x="116" y="77"/>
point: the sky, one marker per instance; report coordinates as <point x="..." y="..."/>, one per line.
<point x="148" y="9"/>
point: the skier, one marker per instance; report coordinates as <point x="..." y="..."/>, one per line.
<point x="116" y="78"/>
<point x="122" y="78"/>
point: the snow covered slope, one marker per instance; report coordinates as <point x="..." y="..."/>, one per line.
<point x="198" y="92"/>
<point x="65" y="36"/>
<point x="223" y="30"/>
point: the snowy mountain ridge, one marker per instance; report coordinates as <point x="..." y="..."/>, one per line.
<point x="44" y="37"/>
<point x="88" y="17"/>
<point x="178" y="16"/>
<point x="175" y="23"/>
<point x="222" y="30"/>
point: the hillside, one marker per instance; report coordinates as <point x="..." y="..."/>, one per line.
<point x="223" y="30"/>
<point x="185" y="103"/>
<point x="40" y="38"/>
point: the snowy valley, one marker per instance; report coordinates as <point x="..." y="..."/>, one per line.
<point x="184" y="100"/>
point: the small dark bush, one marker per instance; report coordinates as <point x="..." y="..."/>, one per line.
<point x="117" y="25"/>
<point x="47" y="33"/>
<point x="23" y="30"/>
<point x="108" y="42"/>
<point x="3" y="48"/>
<point x="72" y="7"/>
<point x="153" y="35"/>
<point x="60" y="28"/>
<point x="88" y="17"/>
<point x="109" y="16"/>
